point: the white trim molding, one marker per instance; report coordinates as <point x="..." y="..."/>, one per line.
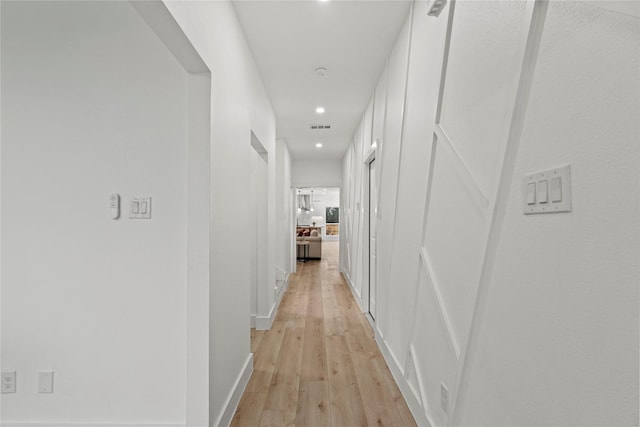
<point x="442" y="309"/>
<point x="537" y="12"/>
<point x="414" y="404"/>
<point x="263" y="323"/>
<point x="463" y="169"/>
<point x="354" y="292"/>
<point x="233" y="399"/>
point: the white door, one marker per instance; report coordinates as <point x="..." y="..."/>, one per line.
<point x="373" y="203"/>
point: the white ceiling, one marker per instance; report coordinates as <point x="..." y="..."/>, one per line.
<point x="352" y="38"/>
<point x="321" y="193"/>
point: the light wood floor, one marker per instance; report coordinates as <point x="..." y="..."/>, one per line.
<point x="319" y="364"/>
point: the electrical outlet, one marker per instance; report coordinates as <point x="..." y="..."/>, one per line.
<point x="444" y="398"/>
<point x="8" y="381"/>
<point x="45" y="382"/>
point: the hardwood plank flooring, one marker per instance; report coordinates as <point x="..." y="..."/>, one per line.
<point x="319" y="364"/>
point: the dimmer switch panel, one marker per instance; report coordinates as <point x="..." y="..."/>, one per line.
<point x="140" y="208"/>
<point x="548" y="191"/>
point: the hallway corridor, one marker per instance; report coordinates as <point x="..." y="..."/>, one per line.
<point x="319" y="364"/>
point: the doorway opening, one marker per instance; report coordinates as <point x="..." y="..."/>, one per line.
<point x="317" y="220"/>
<point x="258" y="226"/>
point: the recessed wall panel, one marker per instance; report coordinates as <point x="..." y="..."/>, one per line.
<point x="481" y="80"/>
<point x="455" y="241"/>
<point x="559" y="336"/>
<point x="434" y="361"/>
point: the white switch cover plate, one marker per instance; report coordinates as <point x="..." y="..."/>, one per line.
<point x="546" y="182"/>
<point x="140" y="208"/>
<point x="8" y="381"/>
<point x="45" y="382"/>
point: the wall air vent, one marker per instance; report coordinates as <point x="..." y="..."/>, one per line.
<point x="436" y="7"/>
<point x="318" y="127"/>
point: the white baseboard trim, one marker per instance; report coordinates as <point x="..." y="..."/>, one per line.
<point x="281" y="273"/>
<point x="283" y="288"/>
<point x="234" y="397"/>
<point x="415" y="406"/>
<point x="85" y="424"/>
<point x="372" y="323"/>
<point x="263" y="323"/>
<point x="252" y="321"/>
<point x="354" y="292"/>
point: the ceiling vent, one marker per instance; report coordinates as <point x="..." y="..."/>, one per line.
<point x="319" y="127"/>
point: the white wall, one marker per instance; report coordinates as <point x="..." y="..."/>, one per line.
<point x="112" y="108"/>
<point x="284" y="217"/>
<point x="569" y="297"/>
<point x="88" y="111"/>
<point x="258" y="227"/>
<point x="240" y="106"/>
<point x="527" y="320"/>
<point x="320" y="173"/>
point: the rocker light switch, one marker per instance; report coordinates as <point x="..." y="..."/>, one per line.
<point x="140" y="208"/>
<point x="547" y="191"/>
<point x="531" y="193"/>
<point x="556" y="189"/>
<point x="543" y="191"/>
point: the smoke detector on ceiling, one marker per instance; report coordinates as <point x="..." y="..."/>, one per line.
<point x="320" y="71"/>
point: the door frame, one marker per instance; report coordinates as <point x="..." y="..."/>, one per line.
<point x="198" y="330"/>
<point x="369" y="157"/>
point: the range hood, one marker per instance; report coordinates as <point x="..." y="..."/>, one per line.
<point x="304" y="202"/>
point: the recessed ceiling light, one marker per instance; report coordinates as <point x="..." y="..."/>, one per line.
<point x="320" y="110"/>
<point x="319" y="145"/>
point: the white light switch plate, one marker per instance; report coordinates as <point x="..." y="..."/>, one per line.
<point x="8" y="381"/>
<point x="546" y="199"/>
<point x="45" y="382"/>
<point x="140" y="208"/>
